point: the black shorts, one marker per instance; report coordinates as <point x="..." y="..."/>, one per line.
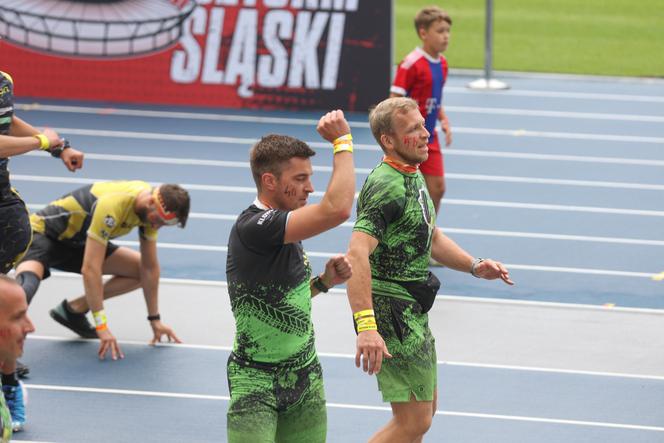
<point x="59" y="255"/>
<point x="15" y="231"/>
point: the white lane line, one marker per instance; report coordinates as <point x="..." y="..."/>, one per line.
<point x="162" y="394"/>
<point x="457" y="129"/>
<point x="352" y="356"/>
<point x="462" y="231"/>
<point x="550" y="207"/>
<point x="556" y="181"/>
<point x="126" y="392"/>
<point x="551" y="370"/>
<point x="535" y="235"/>
<point x="555" y="114"/>
<point x="552" y="421"/>
<point x="312" y="122"/>
<point x="565" y="94"/>
<point x="472" y="177"/>
<point x="545" y="157"/>
<point x="442" y="296"/>
<point x="558" y="135"/>
<point x="454" y="152"/>
<point x="448" y="201"/>
<point x="317" y="254"/>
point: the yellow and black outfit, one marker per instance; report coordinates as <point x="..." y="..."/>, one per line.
<point x="15" y="233"/>
<point x="103" y="211"/>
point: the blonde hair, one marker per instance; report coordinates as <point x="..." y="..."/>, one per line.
<point x="429" y="15"/>
<point x="381" y="117"/>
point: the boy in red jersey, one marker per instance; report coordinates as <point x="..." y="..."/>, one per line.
<point x="421" y="76"/>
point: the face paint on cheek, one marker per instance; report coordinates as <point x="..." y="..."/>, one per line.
<point x="407" y="140"/>
<point x="289" y="191"/>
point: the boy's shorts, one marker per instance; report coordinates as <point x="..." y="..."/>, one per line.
<point x="412" y="370"/>
<point x="434" y="165"/>
<point x="276" y="404"/>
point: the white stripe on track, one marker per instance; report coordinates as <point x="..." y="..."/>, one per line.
<point x="458" y="129"/>
<point x="556" y="114"/>
<point x="449" y="175"/>
<point x="352" y="356"/>
<point x="454" y="152"/>
<point x="179" y="395"/>
<point x="566" y="95"/>
<point x="461" y="231"/>
<point x="448" y="201"/>
<point x="206" y="116"/>
<point x="318" y="254"/>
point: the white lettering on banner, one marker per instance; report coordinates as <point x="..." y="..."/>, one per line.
<point x="242" y="58"/>
<point x="185" y="65"/>
<point x="274" y="68"/>
<point x="337" y="5"/>
<point x="304" y="57"/>
<point x="212" y="47"/>
<point x="333" y="53"/>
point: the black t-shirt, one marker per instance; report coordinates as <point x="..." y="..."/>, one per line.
<point x="268" y="283"/>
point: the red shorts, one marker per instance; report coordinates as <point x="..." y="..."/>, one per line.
<point x="434" y="165"/>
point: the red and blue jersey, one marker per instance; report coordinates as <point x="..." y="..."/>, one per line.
<point x="422" y="78"/>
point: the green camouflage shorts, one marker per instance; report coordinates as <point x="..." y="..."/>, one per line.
<point x="412" y="370"/>
<point x="276" y="404"/>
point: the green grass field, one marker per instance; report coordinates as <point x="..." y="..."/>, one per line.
<point x="602" y="37"/>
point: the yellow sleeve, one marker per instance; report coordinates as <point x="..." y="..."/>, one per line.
<point x="105" y="218"/>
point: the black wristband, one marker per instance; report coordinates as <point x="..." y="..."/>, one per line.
<point x="154" y="317"/>
<point x="318" y="284"/>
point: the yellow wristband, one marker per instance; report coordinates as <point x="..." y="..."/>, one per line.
<point x="364" y="313"/>
<point x="367" y="328"/>
<point x="367" y="321"/>
<point x="343" y="147"/>
<point x="100" y="319"/>
<point x="342" y="139"/>
<point x="44" y="144"/>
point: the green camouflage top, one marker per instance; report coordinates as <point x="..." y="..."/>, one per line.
<point x="268" y="283"/>
<point x="5" y="420"/>
<point x="394" y="207"/>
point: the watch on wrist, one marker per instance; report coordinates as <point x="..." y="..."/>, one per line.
<point x="57" y="152"/>
<point x="318" y="284"/>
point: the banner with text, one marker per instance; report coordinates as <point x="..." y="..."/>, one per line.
<point x="271" y="54"/>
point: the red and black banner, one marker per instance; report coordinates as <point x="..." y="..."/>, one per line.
<point x="270" y="54"/>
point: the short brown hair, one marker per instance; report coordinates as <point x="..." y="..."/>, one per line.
<point x="272" y="151"/>
<point x="429" y="15"/>
<point x="381" y="117"/>
<point x="176" y="199"/>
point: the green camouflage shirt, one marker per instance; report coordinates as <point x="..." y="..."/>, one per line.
<point x="394" y="207"/>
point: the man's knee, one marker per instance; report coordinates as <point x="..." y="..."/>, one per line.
<point x="29" y="280"/>
<point x="414" y="425"/>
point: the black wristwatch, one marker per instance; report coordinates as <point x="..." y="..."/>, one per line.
<point x="57" y="152"/>
<point x="154" y="317"/>
<point x="318" y="284"/>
